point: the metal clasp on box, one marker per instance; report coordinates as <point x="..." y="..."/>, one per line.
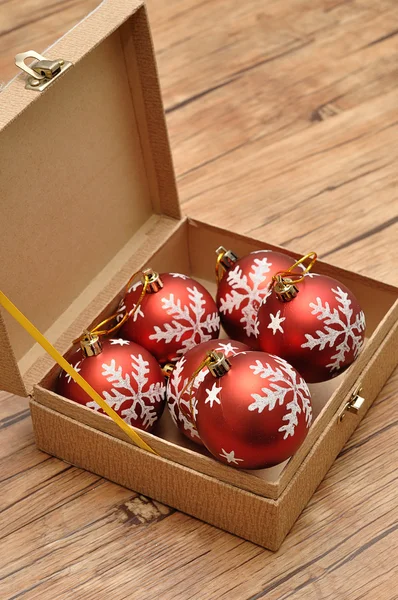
<point x="42" y="72"/>
<point x="353" y="405"/>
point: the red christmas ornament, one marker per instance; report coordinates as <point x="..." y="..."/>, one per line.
<point x="257" y="414"/>
<point x="320" y="331"/>
<point x="180" y="404"/>
<point x="175" y="314"/>
<point x="126" y="375"/>
<point x="242" y="288"/>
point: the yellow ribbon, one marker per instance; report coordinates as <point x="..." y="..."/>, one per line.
<point x="49" y="348"/>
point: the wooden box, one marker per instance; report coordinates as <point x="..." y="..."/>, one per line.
<point x="88" y="196"/>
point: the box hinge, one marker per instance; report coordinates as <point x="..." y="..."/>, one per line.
<point x="43" y="71"/>
<point x="353" y="405"/>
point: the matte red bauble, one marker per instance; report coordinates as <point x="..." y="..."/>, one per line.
<point x="126" y="375"/>
<point x="242" y="288"/>
<point x="257" y="414"/>
<point x="180" y="404"/>
<point x="320" y="331"/>
<point x="172" y="318"/>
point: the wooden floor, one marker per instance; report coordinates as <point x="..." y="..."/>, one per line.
<point x="283" y="122"/>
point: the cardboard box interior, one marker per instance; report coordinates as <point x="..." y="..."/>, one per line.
<point x="191" y="250"/>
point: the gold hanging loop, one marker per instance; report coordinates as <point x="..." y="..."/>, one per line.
<point x="100" y="329"/>
<point x="297" y="277"/>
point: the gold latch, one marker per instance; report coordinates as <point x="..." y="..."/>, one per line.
<point x="42" y="71"/>
<point x="353" y="405"/>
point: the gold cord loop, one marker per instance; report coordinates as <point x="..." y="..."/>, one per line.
<point x="296" y="277"/>
<point x="145" y="278"/>
<point x="100" y="329"/>
<point x="97" y="330"/>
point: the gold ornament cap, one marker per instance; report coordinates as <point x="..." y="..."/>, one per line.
<point x="91" y="345"/>
<point x="153" y="280"/>
<point x="227" y="257"/>
<point x="285" y="289"/>
<point x="168" y="369"/>
<point x="218" y="364"/>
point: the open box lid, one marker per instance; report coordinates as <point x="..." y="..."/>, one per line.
<point x="86" y="175"/>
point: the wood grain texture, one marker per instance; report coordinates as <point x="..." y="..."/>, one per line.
<point x="273" y="107"/>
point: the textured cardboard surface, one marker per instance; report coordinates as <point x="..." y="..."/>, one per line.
<point x="84" y="167"/>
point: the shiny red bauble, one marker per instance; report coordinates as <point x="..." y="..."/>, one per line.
<point x="125" y="375"/>
<point x="320" y="332"/>
<point x="242" y="289"/>
<point x="179" y="403"/>
<point x="257" y="414"/>
<point x="172" y="320"/>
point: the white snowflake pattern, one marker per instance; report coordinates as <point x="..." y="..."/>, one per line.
<point x="230" y="457"/>
<point x="227" y="348"/>
<point x="119" y="342"/>
<point x="276" y="322"/>
<point x="121" y="309"/>
<point x="283" y="381"/>
<point x="212" y="396"/>
<point x="122" y="306"/>
<point x="174" y="388"/>
<point x="134" y="287"/>
<point x="124" y="391"/>
<point x="179" y="276"/>
<point x="188" y="319"/>
<point x="248" y="291"/>
<point x="195" y="409"/>
<point x="310" y="274"/>
<point x="77" y="369"/>
<point x="337" y="322"/>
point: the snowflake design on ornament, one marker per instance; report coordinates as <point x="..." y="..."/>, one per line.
<point x="195" y="409"/>
<point x="179" y="276"/>
<point x="276" y="322"/>
<point x="77" y="369"/>
<point x="174" y="389"/>
<point x="245" y="290"/>
<point x="310" y="274"/>
<point x="228" y="348"/>
<point x="230" y="457"/>
<point x="337" y="322"/>
<point x="123" y="391"/>
<point x="119" y="342"/>
<point x="187" y="320"/>
<point x="284" y="380"/>
<point x="212" y="395"/>
<point x="122" y="306"/>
